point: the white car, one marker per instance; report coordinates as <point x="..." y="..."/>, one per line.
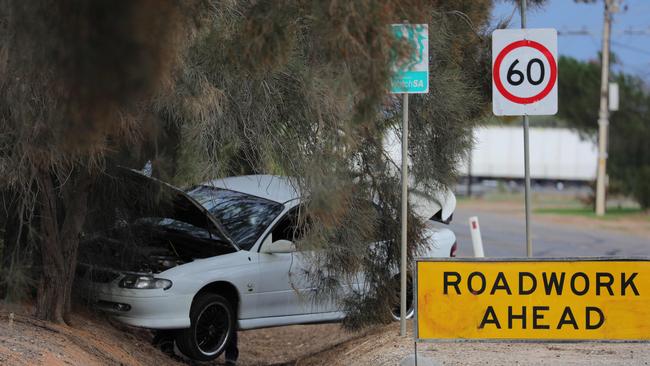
<point x="220" y="258"/>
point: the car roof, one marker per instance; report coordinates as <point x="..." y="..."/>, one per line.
<point x="271" y="187"/>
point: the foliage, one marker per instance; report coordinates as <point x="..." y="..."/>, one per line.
<point x="296" y="88"/>
<point x="629" y="130"/>
<point x="319" y="111"/>
<point x="579" y="88"/>
<point x="74" y="77"/>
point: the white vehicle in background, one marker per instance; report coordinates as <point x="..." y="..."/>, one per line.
<point x="221" y="259"/>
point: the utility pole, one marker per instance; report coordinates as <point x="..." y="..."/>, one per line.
<point x="603" y="113"/>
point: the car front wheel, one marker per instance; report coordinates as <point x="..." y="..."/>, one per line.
<point x="212" y="324"/>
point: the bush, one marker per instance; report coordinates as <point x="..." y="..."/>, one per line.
<point x="640" y="186"/>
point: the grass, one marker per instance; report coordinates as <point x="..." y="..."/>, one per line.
<point x="546" y="199"/>
<point x="612" y="212"/>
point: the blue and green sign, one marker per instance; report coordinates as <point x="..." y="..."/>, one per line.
<point x="411" y="74"/>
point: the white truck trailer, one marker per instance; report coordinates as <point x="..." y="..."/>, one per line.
<point x="556" y="154"/>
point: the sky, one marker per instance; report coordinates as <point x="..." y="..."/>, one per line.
<point x="632" y="51"/>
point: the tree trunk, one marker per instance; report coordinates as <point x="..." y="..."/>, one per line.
<point x="63" y="212"/>
<point x="10" y="244"/>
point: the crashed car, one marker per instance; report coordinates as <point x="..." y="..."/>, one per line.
<point x="217" y="258"/>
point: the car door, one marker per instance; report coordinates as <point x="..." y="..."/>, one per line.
<point x="274" y="294"/>
<point x="286" y="284"/>
<point x="277" y="293"/>
<point x="283" y="285"/>
<point x="306" y="298"/>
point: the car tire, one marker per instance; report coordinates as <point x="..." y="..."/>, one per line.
<point x="395" y="307"/>
<point x="212" y="325"/>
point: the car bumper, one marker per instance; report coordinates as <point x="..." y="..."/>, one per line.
<point x="167" y="311"/>
<point x="439" y="241"/>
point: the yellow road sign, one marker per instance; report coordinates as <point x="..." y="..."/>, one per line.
<point x="572" y="299"/>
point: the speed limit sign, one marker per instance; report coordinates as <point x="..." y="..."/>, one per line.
<point x="524" y="72"/>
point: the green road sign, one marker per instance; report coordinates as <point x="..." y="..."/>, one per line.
<point x="411" y="75"/>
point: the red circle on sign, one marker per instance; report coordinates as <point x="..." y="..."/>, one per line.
<point x="497" y="78"/>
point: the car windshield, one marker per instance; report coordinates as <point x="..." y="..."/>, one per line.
<point x="244" y="216"/>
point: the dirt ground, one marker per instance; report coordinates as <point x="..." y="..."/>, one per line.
<point x="26" y="341"/>
<point x="95" y="341"/>
<point x="289" y="345"/>
<point x="386" y="347"/>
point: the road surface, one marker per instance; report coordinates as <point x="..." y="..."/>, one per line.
<point x="504" y="235"/>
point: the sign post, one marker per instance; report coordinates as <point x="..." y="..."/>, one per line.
<point x="603" y="299"/>
<point x="529" y="237"/>
<point x="410" y="75"/>
<point x="524" y="82"/>
<point x="404" y="215"/>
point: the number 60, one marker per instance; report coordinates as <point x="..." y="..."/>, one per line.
<point x="520" y="75"/>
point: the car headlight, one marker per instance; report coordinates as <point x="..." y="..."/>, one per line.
<point x="144" y="282"/>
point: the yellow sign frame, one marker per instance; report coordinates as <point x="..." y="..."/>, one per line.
<point x="610" y="303"/>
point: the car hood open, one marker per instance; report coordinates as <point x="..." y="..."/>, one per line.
<point x="149" y="196"/>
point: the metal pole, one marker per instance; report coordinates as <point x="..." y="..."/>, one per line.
<point x="405" y="134"/>
<point x="415" y="346"/>
<point x="603" y="114"/>
<point x="529" y="239"/>
<point x="469" y="173"/>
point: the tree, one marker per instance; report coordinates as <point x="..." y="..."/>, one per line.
<point x="205" y="88"/>
<point x="74" y="76"/>
<point x="629" y="155"/>
<point x="319" y="111"/>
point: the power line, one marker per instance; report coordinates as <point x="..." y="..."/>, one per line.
<point x="640" y="70"/>
<point x="635" y="32"/>
<point x="575" y="32"/>
<point x="631" y="48"/>
<point x="591" y="32"/>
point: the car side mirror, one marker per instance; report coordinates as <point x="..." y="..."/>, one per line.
<point x="279" y="246"/>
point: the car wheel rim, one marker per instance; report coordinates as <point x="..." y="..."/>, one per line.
<point x="212" y="328"/>
<point x="395" y="311"/>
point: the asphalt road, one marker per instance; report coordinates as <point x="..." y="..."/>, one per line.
<point x="504" y="235"/>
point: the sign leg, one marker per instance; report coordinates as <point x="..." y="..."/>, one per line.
<point x="415" y="346"/>
<point x="405" y="134"/>
<point x="529" y="239"/>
